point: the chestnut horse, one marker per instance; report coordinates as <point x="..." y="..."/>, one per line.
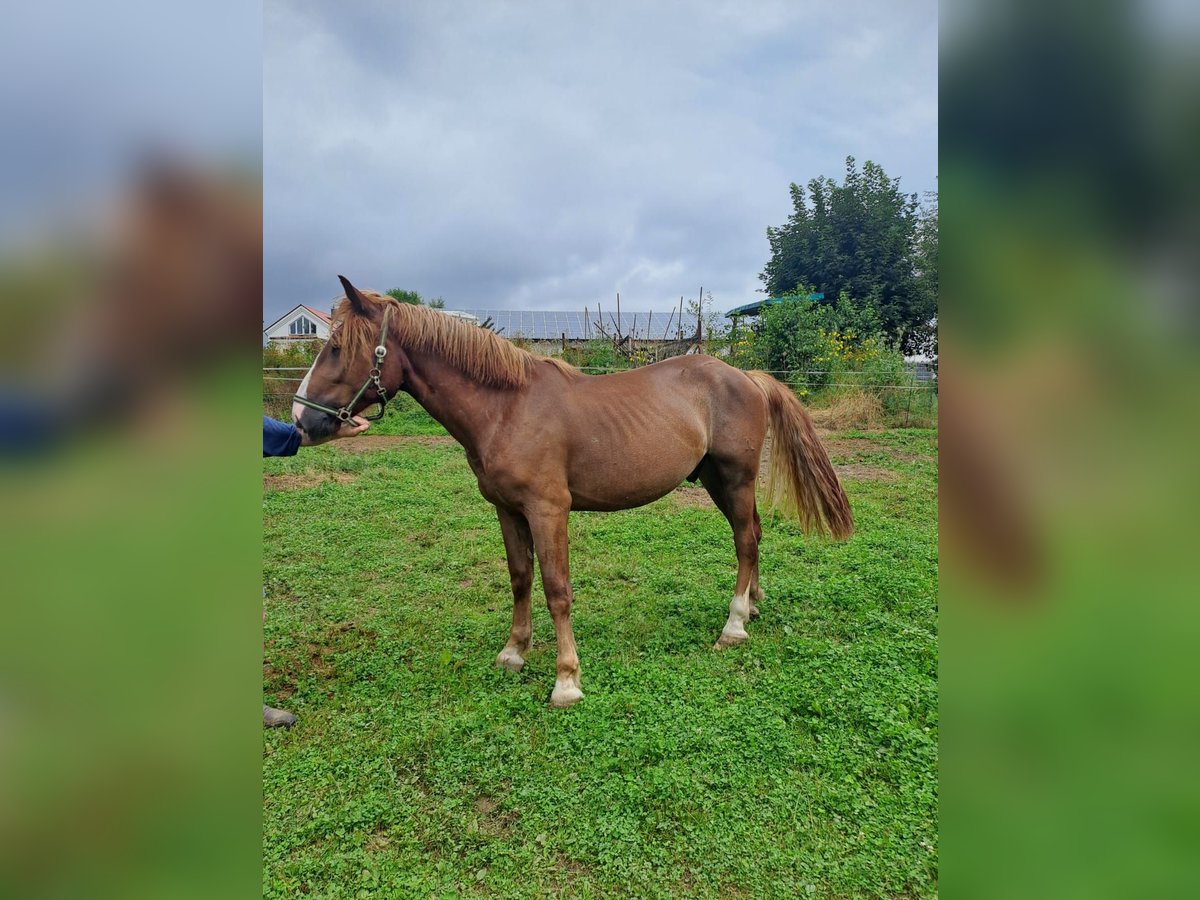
<point x="543" y="439"/>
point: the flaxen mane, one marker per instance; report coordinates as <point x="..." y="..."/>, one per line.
<point x="477" y="352"/>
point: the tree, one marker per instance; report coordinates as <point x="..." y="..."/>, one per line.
<point x="857" y="238"/>
<point x="924" y="338"/>
<point x="415" y="299"/>
<point x="405" y="296"/>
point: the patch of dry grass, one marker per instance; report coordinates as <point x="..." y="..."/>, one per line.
<point x="851" y="409"/>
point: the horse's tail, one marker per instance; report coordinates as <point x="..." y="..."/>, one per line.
<point x="801" y="480"/>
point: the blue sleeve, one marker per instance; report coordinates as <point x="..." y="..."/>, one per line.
<point x="279" y="439"/>
<point x="27" y="427"/>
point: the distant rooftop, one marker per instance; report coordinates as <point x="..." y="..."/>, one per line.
<point x="324" y="317"/>
<point x="753" y="309"/>
<point x="551" y="325"/>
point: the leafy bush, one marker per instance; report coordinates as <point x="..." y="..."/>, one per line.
<point x="278" y="387"/>
<point x="292" y="354"/>
<point x="742" y="349"/>
<point x="814" y="340"/>
<point x="869" y="367"/>
<point x="597" y="353"/>
<point x="833" y="353"/>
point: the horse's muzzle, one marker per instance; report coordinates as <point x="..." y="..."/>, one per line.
<point x="317" y="425"/>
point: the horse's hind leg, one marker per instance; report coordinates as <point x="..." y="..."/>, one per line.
<point x="732" y="489"/>
<point x="756" y="592"/>
<point x="518" y="545"/>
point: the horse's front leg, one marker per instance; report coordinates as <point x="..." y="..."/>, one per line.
<point x="549" y="527"/>
<point x="518" y="545"/>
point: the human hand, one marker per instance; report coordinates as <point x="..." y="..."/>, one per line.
<point x="356" y="425"/>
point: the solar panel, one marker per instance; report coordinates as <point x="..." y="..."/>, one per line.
<point x="550" y="325"/>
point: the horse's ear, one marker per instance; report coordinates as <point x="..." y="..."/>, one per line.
<point x="357" y="302"/>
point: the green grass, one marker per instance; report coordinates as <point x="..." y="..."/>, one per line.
<point x="803" y="763"/>
<point x="405" y="416"/>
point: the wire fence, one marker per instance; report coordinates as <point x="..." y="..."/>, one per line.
<point x="903" y="400"/>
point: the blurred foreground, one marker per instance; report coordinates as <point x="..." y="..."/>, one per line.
<point x="131" y="540"/>
<point x="130" y="284"/>
<point x="1069" y="414"/>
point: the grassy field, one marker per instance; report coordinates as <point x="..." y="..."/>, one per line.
<point x="803" y="763"/>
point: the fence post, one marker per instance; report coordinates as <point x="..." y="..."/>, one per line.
<point x="912" y="385"/>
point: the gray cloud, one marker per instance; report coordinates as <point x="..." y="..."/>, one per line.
<point x="546" y="155"/>
<point x="86" y="89"/>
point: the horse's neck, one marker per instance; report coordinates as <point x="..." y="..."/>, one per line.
<point x="468" y="410"/>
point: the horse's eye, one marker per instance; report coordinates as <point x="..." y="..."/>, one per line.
<point x="335" y="350"/>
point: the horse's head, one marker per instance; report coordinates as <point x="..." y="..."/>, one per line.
<point x="350" y="374"/>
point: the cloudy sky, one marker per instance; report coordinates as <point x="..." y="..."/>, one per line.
<point x="546" y="155"/>
<point x="89" y="89"/>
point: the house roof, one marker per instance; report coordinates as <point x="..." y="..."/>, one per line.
<point x="753" y="309"/>
<point x="324" y="317"/>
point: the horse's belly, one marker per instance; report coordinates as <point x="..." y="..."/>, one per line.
<point x="609" y="501"/>
<point x="611" y="481"/>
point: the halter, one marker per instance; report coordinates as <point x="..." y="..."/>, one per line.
<point x="345" y="413"/>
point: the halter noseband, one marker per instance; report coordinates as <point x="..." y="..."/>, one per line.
<point x="345" y="413"/>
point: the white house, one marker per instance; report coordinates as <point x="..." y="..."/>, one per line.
<point x="303" y="323"/>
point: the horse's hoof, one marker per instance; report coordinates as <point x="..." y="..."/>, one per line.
<point x="730" y="639"/>
<point x="510" y="659"/>
<point x="754" y="613"/>
<point x="277" y="718"/>
<point x="565" y="695"/>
